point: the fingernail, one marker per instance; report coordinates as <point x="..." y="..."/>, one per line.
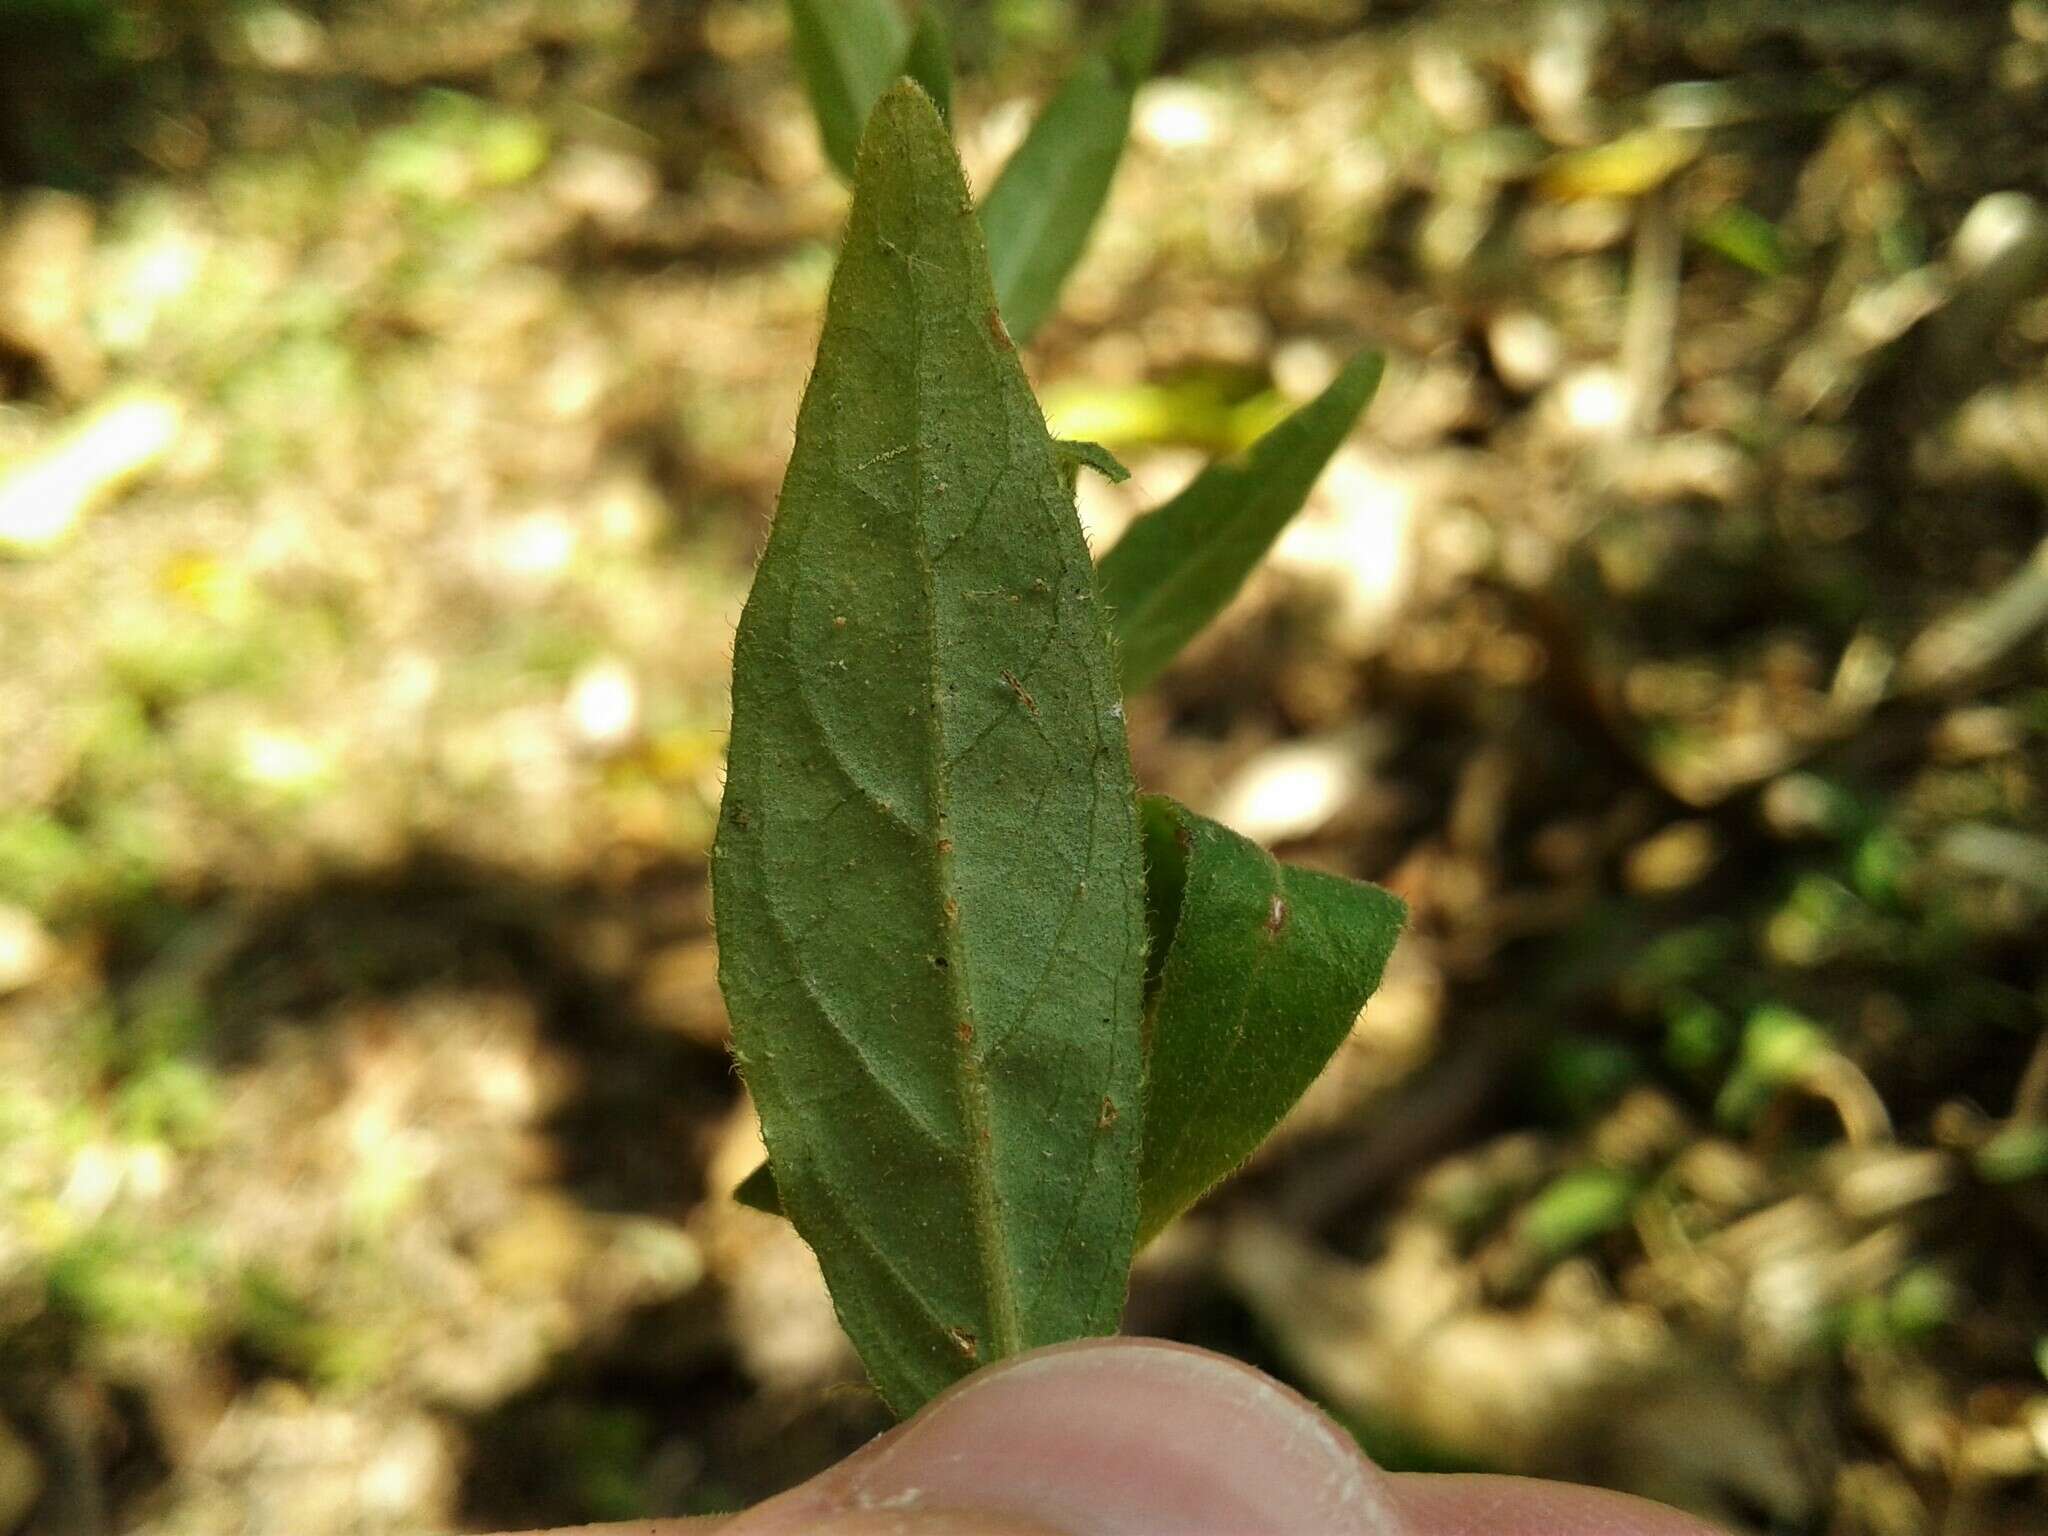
<point x="1113" y="1438"/>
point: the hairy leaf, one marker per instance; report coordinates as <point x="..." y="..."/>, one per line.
<point x="927" y="876"/>
<point x="1259" y="971"/>
<point x="1045" y="203"/>
<point x="1077" y="454"/>
<point x="847" y="51"/>
<point x="1178" y="566"/>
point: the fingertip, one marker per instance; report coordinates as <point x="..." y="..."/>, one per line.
<point x="1124" y="1437"/>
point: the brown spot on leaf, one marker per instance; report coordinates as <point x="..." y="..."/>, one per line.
<point x="1107" y="1117"/>
<point x="1276" y="917"/>
<point x="964" y="1341"/>
<point x="1023" y="694"/>
<point x="998" y="332"/>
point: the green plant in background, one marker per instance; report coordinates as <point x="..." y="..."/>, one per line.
<point x="1176" y="569"/>
<point x="1040" y="212"/>
<point x="1002" y="1019"/>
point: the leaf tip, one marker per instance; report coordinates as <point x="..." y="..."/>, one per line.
<point x="906" y="107"/>
<point x="907" y="129"/>
<point x="1364" y="373"/>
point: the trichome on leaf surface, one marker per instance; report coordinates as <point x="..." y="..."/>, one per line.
<point x="1001" y="1019"/>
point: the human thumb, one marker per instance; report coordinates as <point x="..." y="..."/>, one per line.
<point x="1134" y="1437"/>
<point x="1104" y="1438"/>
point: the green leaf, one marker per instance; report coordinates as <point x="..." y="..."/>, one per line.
<point x="929" y="60"/>
<point x="1779" y="1047"/>
<point x="1255" y="1011"/>
<point x="1045" y="203"/>
<point x="1259" y="970"/>
<point x="1178" y="566"/>
<point x="1076" y="455"/>
<point x="927" y="876"/>
<point x="848" y="52"/>
<point x="1746" y="238"/>
<point x="1579" y="1208"/>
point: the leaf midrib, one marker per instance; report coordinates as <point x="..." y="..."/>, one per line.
<point x="977" y="1119"/>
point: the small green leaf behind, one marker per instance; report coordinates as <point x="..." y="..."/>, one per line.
<point x="848" y="52"/>
<point x="927" y="880"/>
<point x="1259" y="970"/>
<point x="1076" y="455"/>
<point x="1179" y="566"/>
<point x="1579" y="1208"/>
<point x="1044" y="205"/>
<point x="1746" y="238"/>
<point x="929" y="60"/>
<point x="1256" y="1009"/>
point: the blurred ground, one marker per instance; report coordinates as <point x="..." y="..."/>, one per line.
<point x="392" y="397"/>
